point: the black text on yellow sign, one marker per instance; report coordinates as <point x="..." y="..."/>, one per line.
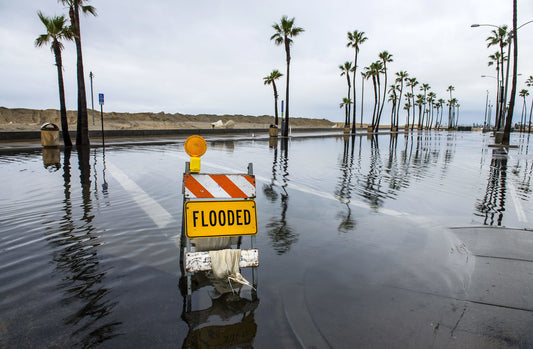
<point x="205" y="219"/>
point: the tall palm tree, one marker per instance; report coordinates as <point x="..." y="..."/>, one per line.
<point x="450" y="121"/>
<point x="354" y="40"/>
<point x="529" y="83"/>
<point x="82" y="134"/>
<point x="364" y="76"/>
<point x="509" y="116"/>
<point x="56" y="30"/>
<point x="523" y="93"/>
<point x="373" y="71"/>
<point x="271" y="80"/>
<point x="412" y="82"/>
<point x="284" y="32"/>
<point x="345" y="69"/>
<point x="499" y="37"/>
<point x="385" y="58"/>
<point x="400" y="78"/>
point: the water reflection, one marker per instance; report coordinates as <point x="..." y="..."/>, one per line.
<point x="344" y="186"/>
<point x="78" y="264"/>
<point x="492" y="206"/>
<point x="238" y="327"/>
<point x="51" y="159"/>
<point x="278" y="229"/>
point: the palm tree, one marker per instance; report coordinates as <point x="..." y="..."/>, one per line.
<point x="441" y="103"/>
<point x="374" y="70"/>
<point x="424" y="88"/>
<point x="354" y="40"/>
<point x="57" y="30"/>
<point x="420" y="101"/>
<point x="385" y="58"/>
<point x="529" y="83"/>
<point x="412" y="82"/>
<point x="499" y="38"/>
<point x="431" y="99"/>
<point x="346" y="68"/>
<point x="346" y="104"/>
<point x="497" y="58"/>
<point x="407" y="106"/>
<point x="523" y="93"/>
<point x="409" y="97"/>
<point x="271" y="80"/>
<point x="509" y="117"/>
<point x="364" y="76"/>
<point x="82" y="135"/>
<point x="400" y="78"/>
<point x="393" y="97"/>
<point x="450" y="121"/>
<point x="284" y="32"/>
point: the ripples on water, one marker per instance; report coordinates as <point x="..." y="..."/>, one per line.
<point x="345" y="224"/>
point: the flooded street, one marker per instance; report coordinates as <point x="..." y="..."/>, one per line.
<point x="354" y="236"/>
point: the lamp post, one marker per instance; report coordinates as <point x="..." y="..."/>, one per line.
<point x="499" y="95"/>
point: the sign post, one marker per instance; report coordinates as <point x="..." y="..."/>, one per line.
<point x="101" y="101"/>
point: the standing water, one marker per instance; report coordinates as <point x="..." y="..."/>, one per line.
<point x="355" y="245"/>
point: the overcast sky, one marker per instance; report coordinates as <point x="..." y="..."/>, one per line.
<point x="211" y="56"/>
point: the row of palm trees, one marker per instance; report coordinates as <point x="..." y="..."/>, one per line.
<point x="57" y="30"/>
<point x="426" y="102"/>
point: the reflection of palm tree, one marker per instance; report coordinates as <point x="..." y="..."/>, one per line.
<point x="344" y="187"/>
<point x="78" y="264"/>
<point x="280" y="232"/>
<point x="57" y="30"/>
<point x="493" y="203"/>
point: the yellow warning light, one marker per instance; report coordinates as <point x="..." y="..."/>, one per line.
<point x="195" y="146"/>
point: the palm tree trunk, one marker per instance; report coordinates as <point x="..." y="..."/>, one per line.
<point x="347" y="118"/>
<point x="285" y="130"/>
<point x="275" y="103"/>
<point x="82" y="134"/>
<point x="62" y="109"/>
<point x="375" y="104"/>
<point x="530" y="112"/>
<point x="399" y="104"/>
<point x="509" y="118"/>
<point x="362" y="98"/>
<point x="354" y="93"/>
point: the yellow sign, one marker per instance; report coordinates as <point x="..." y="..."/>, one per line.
<point x="205" y="219"/>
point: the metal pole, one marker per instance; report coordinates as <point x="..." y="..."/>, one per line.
<point x="91" y="75"/>
<point x="102" y="118"/>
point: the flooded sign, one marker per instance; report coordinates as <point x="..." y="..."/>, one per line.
<point x="204" y="219"/>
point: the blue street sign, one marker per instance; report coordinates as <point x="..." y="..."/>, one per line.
<point x="101" y="98"/>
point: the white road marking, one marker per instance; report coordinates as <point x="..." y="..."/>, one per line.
<point x="154" y="210"/>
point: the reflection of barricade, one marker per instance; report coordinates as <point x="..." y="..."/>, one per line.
<point x="49" y="135"/>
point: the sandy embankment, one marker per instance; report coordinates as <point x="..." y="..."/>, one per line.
<point x="19" y="119"/>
